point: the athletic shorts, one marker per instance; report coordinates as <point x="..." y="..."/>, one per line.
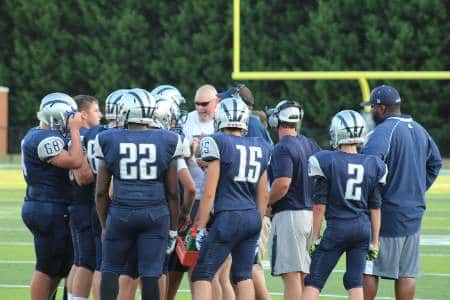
<point x="398" y="257"/>
<point x="289" y="242"/>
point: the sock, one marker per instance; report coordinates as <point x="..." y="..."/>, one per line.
<point x="109" y="286"/>
<point x="150" y="288"/>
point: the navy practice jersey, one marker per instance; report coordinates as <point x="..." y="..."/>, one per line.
<point x="414" y="161"/>
<point x="290" y="159"/>
<point x="351" y="179"/>
<point x="86" y="194"/>
<point x="45" y="182"/>
<point x="242" y="161"/>
<point x="138" y="161"/>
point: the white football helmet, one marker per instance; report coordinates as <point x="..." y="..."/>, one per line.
<point x="55" y="110"/>
<point x="231" y="113"/>
<point x="112" y="104"/>
<point x="169" y="92"/>
<point x="347" y="127"/>
<point x="285" y="111"/>
<point x="166" y="112"/>
<point x="137" y="106"/>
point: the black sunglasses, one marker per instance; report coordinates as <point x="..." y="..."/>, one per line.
<point x="203" y="103"/>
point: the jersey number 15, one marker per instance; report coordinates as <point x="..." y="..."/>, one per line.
<point x="251" y="172"/>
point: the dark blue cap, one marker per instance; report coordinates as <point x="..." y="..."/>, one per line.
<point x="228" y="93"/>
<point x="384" y="95"/>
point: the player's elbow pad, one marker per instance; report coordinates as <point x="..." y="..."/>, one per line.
<point x="375" y="199"/>
<point x="320" y="190"/>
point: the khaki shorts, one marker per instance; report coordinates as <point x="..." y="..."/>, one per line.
<point x="398" y="257"/>
<point x="289" y="242"/>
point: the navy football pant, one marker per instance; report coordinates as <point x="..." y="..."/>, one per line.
<point x="84" y="247"/>
<point x="350" y="236"/>
<point x="49" y="224"/>
<point x="141" y="232"/>
<point x="234" y="232"/>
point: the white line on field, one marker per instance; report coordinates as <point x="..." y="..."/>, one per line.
<point x="24" y="286"/>
<point x="12" y="229"/>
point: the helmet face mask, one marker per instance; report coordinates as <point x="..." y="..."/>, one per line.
<point x="347" y="127"/>
<point x="232" y="113"/>
<point x="286" y="111"/>
<point x="55" y="109"/>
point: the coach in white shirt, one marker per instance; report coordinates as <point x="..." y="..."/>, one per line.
<point x="199" y="123"/>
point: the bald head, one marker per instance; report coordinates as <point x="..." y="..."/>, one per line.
<point x="205" y="102"/>
<point x="206" y="91"/>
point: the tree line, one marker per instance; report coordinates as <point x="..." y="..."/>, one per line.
<point x="95" y="47"/>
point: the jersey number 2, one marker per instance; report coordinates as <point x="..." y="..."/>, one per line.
<point x="352" y="189"/>
<point x="251" y="172"/>
<point x="134" y="166"/>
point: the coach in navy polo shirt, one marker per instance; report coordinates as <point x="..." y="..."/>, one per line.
<point x="413" y="161"/>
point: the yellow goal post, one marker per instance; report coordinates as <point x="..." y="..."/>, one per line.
<point x="361" y="76"/>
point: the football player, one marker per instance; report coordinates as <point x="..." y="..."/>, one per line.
<point x="142" y="162"/>
<point x="81" y="207"/>
<point x="236" y="183"/>
<point x="347" y="191"/>
<point x="46" y="162"/>
<point x="168" y="113"/>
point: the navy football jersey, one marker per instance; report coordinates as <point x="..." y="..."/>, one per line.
<point x="290" y="159"/>
<point x="351" y="180"/>
<point x="45" y="182"/>
<point x="86" y="194"/>
<point x="242" y="161"/>
<point x="89" y="145"/>
<point x="138" y="161"/>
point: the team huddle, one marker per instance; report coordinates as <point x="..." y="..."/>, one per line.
<point x="107" y="204"/>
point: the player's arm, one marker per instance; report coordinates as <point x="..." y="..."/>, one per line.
<point x="209" y="194"/>
<point x="320" y="199"/>
<point x="102" y="199"/>
<point x="282" y="168"/>
<point x="83" y="175"/>
<point x="279" y="189"/>
<point x="73" y="158"/>
<point x="188" y="192"/>
<point x="171" y="188"/>
<point x="262" y="195"/>
<point x="319" y="195"/>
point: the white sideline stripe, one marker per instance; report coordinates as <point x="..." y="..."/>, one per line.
<point x="266" y="265"/>
<point x="12" y="229"/>
<point x="23" y="286"/>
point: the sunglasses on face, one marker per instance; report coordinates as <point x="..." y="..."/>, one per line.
<point x="203" y="103"/>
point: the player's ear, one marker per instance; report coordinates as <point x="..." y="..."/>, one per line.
<point x="84" y="114"/>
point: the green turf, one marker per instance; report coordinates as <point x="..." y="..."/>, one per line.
<point x="17" y="256"/>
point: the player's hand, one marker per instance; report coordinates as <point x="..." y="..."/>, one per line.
<point x="184" y="220"/>
<point x="171" y="241"/>
<point x="200" y="237"/>
<point x="314" y="245"/>
<point x="74" y="121"/>
<point x="373" y="252"/>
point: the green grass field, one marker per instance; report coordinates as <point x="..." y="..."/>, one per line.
<point x="17" y="256"/>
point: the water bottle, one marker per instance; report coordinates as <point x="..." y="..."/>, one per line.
<point x="189" y="242"/>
